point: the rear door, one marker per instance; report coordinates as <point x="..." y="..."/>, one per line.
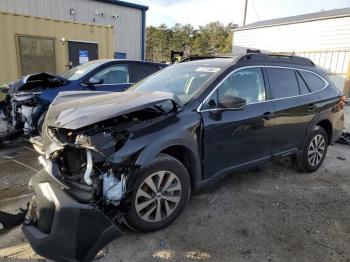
<point x="295" y="108"/>
<point x="142" y="70"/>
<point x="237" y="137"/>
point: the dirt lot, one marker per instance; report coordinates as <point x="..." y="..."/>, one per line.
<point x="272" y="213"/>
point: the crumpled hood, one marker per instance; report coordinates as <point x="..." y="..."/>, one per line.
<point x="33" y="81"/>
<point x="76" y="109"/>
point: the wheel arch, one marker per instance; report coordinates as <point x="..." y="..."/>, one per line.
<point x="185" y="156"/>
<point x="183" y="150"/>
<point x="327" y="126"/>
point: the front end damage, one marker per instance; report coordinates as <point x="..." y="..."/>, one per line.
<point x="62" y="229"/>
<point x="85" y="189"/>
<point x="20" y="105"/>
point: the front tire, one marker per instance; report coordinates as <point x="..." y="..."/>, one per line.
<point x="161" y="192"/>
<point x="314" y="152"/>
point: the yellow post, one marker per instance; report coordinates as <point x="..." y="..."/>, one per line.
<point x="346" y="89"/>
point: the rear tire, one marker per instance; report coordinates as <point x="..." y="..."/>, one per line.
<point x="314" y="152"/>
<point x="161" y="192"/>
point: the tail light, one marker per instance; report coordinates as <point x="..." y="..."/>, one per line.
<point x="342" y="103"/>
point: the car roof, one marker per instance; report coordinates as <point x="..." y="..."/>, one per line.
<point x="213" y="62"/>
<point x="102" y="61"/>
<point x="262" y="58"/>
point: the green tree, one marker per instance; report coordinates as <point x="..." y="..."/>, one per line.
<point x="211" y="39"/>
<point x="181" y="36"/>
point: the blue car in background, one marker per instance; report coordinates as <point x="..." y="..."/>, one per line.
<point x="27" y="100"/>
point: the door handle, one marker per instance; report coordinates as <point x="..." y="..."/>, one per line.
<point x="267" y="115"/>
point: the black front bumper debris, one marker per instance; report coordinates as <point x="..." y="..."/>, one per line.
<point x="59" y="228"/>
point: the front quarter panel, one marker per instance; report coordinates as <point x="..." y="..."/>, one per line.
<point x="178" y="129"/>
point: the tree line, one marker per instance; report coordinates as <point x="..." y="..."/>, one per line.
<point x="211" y="39"/>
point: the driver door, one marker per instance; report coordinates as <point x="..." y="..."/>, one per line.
<point x="237" y="137"/>
<point x="114" y="77"/>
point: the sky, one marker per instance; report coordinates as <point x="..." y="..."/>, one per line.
<point x="201" y="12"/>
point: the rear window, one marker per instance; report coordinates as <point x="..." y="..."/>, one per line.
<point x="283" y="83"/>
<point x="143" y="70"/>
<point x="302" y="85"/>
<point x="313" y="81"/>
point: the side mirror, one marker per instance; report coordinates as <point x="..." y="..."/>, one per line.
<point x="232" y="102"/>
<point x="94" y="81"/>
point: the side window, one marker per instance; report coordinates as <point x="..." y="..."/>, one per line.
<point x="212" y="101"/>
<point x="246" y="83"/>
<point x="283" y="83"/>
<point x="313" y="81"/>
<point x="142" y="71"/>
<point x="302" y="85"/>
<point x="114" y="74"/>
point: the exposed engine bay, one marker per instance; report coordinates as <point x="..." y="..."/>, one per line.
<point x="20" y="109"/>
<point x="83" y="152"/>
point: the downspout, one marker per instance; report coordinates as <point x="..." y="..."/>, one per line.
<point x="143" y="34"/>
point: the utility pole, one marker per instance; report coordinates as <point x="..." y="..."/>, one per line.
<point x="245" y="12"/>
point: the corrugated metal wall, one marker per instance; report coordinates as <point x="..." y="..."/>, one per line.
<point x="329" y="34"/>
<point x="335" y="63"/>
<point x="326" y="42"/>
<point x="128" y="26"/>
<point x="13" y="25"/>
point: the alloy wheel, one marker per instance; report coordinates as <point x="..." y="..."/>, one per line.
<point x="158" y="196"/>
<point x="316" y="150"/>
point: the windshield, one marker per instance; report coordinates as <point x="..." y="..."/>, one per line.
<point x="81" y="70"/>
<point x="183" y="80"/>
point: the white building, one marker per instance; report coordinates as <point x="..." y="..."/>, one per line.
<point x="127" y="19"/>
<point x="324" y="37"/>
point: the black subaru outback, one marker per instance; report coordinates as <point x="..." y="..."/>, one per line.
<point x="133" y="158"/>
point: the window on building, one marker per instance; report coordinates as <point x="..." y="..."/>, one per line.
<point x="283" y="83"/>
<point x="313" y="81"/>
<point x="36" y="54"/>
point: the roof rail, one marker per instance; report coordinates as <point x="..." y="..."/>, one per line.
<point x="277" y="58"/>
<point x="257" y="51"/>
<point x="199" y="57"/>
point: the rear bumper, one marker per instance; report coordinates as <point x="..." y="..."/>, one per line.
<point x="59" y="228"/>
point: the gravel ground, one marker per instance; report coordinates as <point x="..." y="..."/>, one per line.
<point x="272" y="213"/>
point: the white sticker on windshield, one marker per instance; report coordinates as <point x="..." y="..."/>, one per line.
<point x="80" y="72"/>
<point x="208" y="69"/>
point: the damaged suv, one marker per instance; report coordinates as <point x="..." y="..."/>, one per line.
<point x="133" y="158"/>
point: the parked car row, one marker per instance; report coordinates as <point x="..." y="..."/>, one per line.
<point x="26" y="101"/>
<point x="132" y="158"/>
